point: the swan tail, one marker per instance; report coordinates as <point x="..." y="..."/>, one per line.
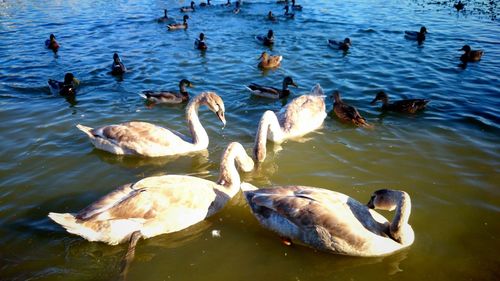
<point x="86" y="130"/>
<point x="69" y="222"/>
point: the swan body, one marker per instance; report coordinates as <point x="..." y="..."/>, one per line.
<point x="331" y="221"/>
<point x="178" y="25"/>
<point x="405" y="106"/>
<point x="347" y="113"/>
<point x="470" y="55"/>
<point x="117" y="68"/>
<point x="157" y="205"/>
<point x="416" y="35"/>
<point x="169" y="97"/>
<point x="340" y="45"/>
<point x="267" y="61"/>
<point x="271" y="92"/>
<point x="145" y="139"/>
<point x="302" y="115"/>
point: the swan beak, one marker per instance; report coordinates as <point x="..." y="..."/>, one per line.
<point x="220" y="114"/>
<point x="370" y="204"/>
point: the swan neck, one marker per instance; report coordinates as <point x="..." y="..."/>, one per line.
<point x="268" y="124"/>
<point x="399" y="226"/>
<point x="234" y="156"/>
<point x="198" y="133"/>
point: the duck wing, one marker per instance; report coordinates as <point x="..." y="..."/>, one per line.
<point x="349" y="113"/>
<point x="409" y="106"/>
<point x="55" y="86"/>
<point x="258" y="89"/>
<point x="163" y="96"/>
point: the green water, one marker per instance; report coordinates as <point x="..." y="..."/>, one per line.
<point x="446" y="158"/>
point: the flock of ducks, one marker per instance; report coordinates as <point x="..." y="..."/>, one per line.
<point x="320" y="218"/>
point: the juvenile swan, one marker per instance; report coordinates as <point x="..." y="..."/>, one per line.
<point x="334" y="222"/>
<point x="146" y="139"/>
<point x="299" y="117"/>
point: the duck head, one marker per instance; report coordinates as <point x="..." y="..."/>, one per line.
<point x="423" y="30"/>
<point x="347" y="41"/>
<point x="384" y="199"/>
<point x="185" y="18"/>
<point x="116" y="58"/>
<point x="336" y="96"/>
<point x="382" y="96"/>
<point x="52" y="37"/>
<point x="69" y="78"/>
<point x="185" y="83"/>
<point x="202" y="36"/>
<point x="286" y="9"/>
<point x="192" y="4"/>
<point x="270" y="34"/>
<point x="289" y="81"/>
<point x="165" y="13"/>
<point x="263" y="56"/>
<point x="216" y="105"/>
<point x="466" y="48"/>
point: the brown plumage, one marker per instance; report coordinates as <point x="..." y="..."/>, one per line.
<point x="405" y="106"/>
<point x="347" y="113"/>
<point x="470" y="55"/>
<point x="267" y="61"/>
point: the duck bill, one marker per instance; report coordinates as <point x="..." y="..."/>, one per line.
<point x="76" y="81"/>
<point x="295" y="85"/>
<point x="220" y="115"/>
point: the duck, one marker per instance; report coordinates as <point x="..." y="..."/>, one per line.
<point x="340" y="45"/>
<point x="296" y="7"/>
<point x="170" y="97"/>
<point x="157" y="205"/>
<point x="271" y="92"/>
<point x="347" y="113"/>
<point x="51" y="43"/>
<point x="271" y="16"/>
<point x="266" y="40"/>
<point x="404" y="106"/>
<point x="189" y="8"/>
<point x="416" y="35"/>
<point x="300" y="116"/>
<point x="117" y="68"/>
<point x="288" y="14"/>
<point x="333" y="222"/>
<point x="282" y="2"/>
<point x="203" y="4"/>
<point x="165" y="17"/>
<point x="267" y="61"/>
<point x="200" y="44"/>
<point x="459" y="6"/>
<point x="237" y="9"/>
<point x="183" y="25"/>
<point x="65" y="88"/>
<point x="149" y="140"/>
<point x="470" y="55"/>
<point x="227" y="4"/>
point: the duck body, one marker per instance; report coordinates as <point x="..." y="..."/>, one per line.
<point x="187" y="9"/>
<point x="347" y="113"/>
<point x="117" y="68"/>
<point x="267" y="61"/>
<point x="65" y="88"/>
<point x="330" y="221"/>
<point x="51" y="43"/>
<point x="146" y="139"/>
<point x="403" y="106"/>
<point x="207" y="4"/>
<point x="271" y="92"/>
<point x="200" y="44"/>
<point x="176" y="26"/>
<point x="157" y="205"/>
<point x="470" y="55"/>
<point x="340" y="45"/>
<point x="418" y="36"/>
<point x="266" y="40"/>
<point x="170" y="97"/>
<point x="296" y="7"/>
<point x="288" y="14"/>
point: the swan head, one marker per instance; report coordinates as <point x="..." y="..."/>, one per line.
<point x="385" y="199"/>
<point x="216" y="105"/>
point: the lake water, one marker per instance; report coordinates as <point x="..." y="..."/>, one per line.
<point x="446" y="158"/>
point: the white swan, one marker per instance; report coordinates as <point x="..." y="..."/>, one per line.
<point x="146" y="139"/>
<point x="332" y="221"/>
<point x="299" y="117"/>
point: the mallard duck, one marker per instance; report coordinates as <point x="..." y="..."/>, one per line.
<point x="146" y="139"/>
<point x="344" y="46"/>
<point x="406" y="106"/>
<point x="334" y="222"/>
<point x="347" y="113"/>
<point x="170" y="97"/>
<point x="203" y="4"/>
<point x="470" y="55"/>
<point x="459" y="6"/>
<point x="271" y="92"/>
<point x="288" y="14"/>
<point x="267" y="40"/>
<point x="200" y="44"/>
<point x="65" y="88"/>
<point x="165" y="17"/>
<point x="267" y="61"/>
<point x="117" y="68"/>
<point x="189" y="8"/>
<point x="183" y="25"/>
<point x="157" y="205"/>
<point x="237" y="9"/>
<point x="296" y="7"/>
<point x="300" y="116"/>
<point x="418" y="36"/>
<point x="51" y="43"/>
<point x="271" y="16"/>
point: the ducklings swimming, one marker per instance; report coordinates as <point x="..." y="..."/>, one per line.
<point x="267" y="61"/>
<point x="65" y="88"/>
<point x="200" y="44"/>
<point x="339" y="45"/>
<point x="170" y="97"/>
<point x="266" y="40"/>
<point x="347" y="113"/>
<point x="404" y="106"/>
<point x="470" y="55"/>
<point x="418" y="36"/>
<point x="183" y="25"/>
<point x="51" y="43"/>
<point x="117" y="68"/>
<point x="271" y="92"/>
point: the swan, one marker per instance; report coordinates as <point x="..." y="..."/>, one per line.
<point x="146" y="139"/>
<point x="334" y="222"/>
<point x="157" y="205"/>
<point x="299" y="117"/>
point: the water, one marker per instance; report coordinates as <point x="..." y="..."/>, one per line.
<point x="446" y="158"/>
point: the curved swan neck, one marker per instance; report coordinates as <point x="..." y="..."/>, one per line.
<point x="400" y="229"/>
<point x="234" y="156"/>
<point x="198" y="133"/>
<point x="268" y="123"/>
